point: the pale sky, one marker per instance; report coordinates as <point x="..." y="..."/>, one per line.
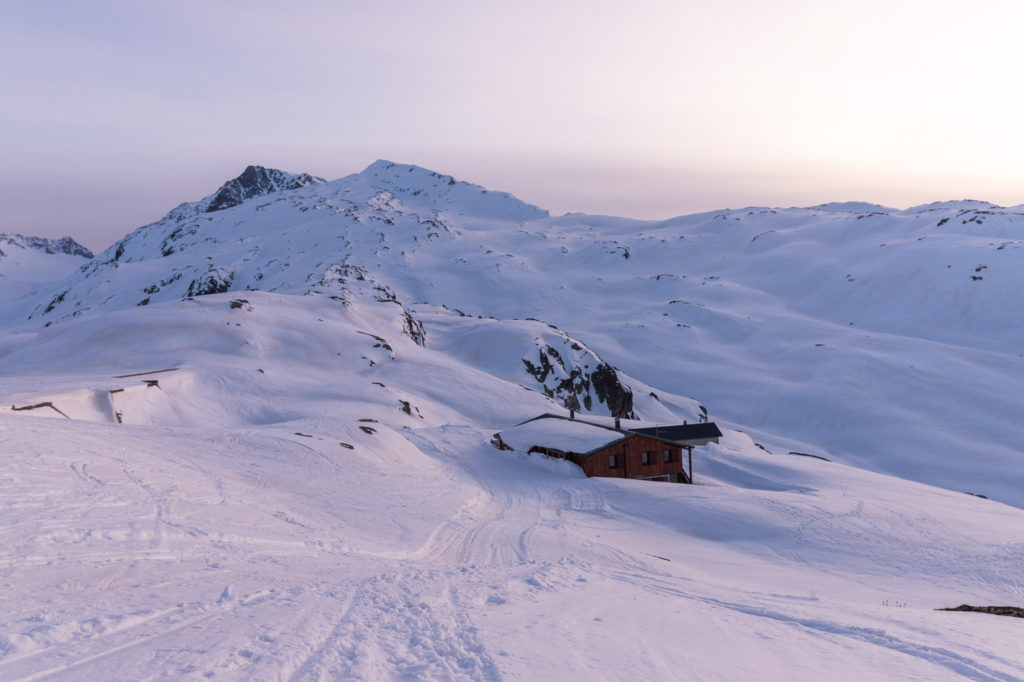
<point x="116" y="111"/>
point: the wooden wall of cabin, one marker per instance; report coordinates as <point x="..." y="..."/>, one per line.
<point x="629" y="456"/>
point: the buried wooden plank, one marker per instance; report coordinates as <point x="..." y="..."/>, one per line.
<point x="139" y="374"/>
<point x="39" y="405"/>
<point x="1013" y="611"/>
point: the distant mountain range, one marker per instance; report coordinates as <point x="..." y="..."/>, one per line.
<point x="65" y="245"/>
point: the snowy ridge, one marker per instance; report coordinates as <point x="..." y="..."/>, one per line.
<point x="64" y="245"/>
<point x="857" y="207"/>
<point x="439" y="190"/>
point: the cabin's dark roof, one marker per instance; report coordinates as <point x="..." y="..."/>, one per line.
<point x="681" y="432"/>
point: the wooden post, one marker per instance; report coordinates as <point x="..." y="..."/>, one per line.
<point x="689" y="456"/>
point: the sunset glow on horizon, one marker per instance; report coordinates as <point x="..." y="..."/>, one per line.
<point x="117" y="111"/>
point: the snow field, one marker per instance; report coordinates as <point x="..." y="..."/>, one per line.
<point x="227" y="531"/>
<point x="269" y="555"/>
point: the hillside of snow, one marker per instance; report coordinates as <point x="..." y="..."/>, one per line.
<point x="881" y="338"/>
<point x="252" y="441"/>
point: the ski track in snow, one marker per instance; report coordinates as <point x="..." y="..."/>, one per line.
<point x="521" y="535"/>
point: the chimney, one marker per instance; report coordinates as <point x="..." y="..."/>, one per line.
<point x="617" y="422"/>
<point x="572" y="414"/>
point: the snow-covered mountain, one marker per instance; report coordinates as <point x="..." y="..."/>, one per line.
<point x="64" y="245"/>
<point x="26" y="263"/>
<point x="834" y="327"/>
<point x="266" y="446"/>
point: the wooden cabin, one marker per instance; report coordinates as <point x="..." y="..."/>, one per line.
<point x="662" y="453"/>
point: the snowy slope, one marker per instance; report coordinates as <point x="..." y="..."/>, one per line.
<point x="879" y="337"/>
<point x="296" y="482"/>
<point x="310" y="494"/>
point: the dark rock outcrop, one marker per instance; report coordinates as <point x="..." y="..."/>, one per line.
<point x="257" y="181"/>
<point x="568" y="378"/>
<point x="215" y="281"/>
<point x="612" y="393"/>
<point x="1013" y="611"/>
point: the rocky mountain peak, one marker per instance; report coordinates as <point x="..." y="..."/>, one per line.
<point x="257" y="181"/>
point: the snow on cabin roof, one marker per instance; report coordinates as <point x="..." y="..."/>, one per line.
<point x="583" y="437"/>
<point x="559" y="434"/>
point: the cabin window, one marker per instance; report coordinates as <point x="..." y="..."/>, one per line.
<point x="646" y="457"/>
<point x="613" y="461"/>
<point x="667" y="454"/>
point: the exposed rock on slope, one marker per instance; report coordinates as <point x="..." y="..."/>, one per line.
<point x="351" y="284"/>
<point x="578" y="379"/>
<point x="1012" y="611"/>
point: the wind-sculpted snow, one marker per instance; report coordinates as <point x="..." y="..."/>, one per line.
<point x="352" y="284"/>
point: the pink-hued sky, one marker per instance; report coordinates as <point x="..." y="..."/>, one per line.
<point x="116" y="111"/>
